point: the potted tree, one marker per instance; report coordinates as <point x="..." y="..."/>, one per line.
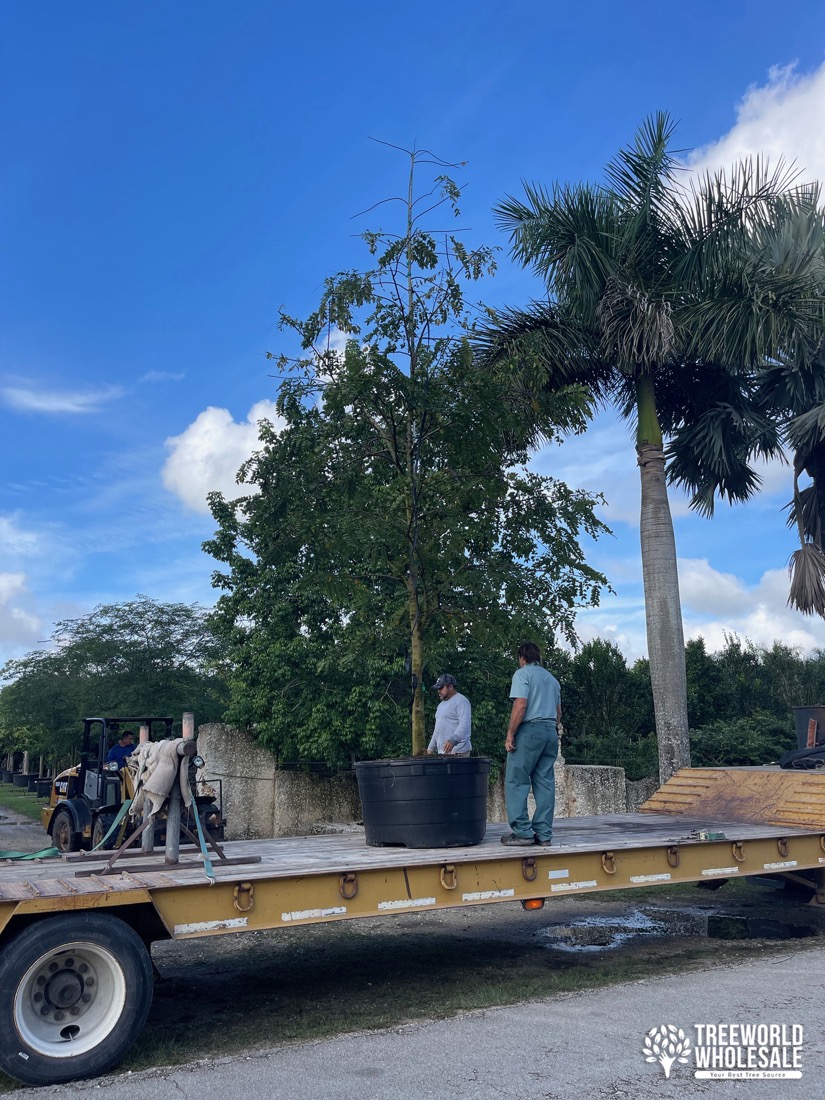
<point x="390" y="525"/>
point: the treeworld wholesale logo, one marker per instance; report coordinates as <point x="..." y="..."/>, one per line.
<point x="729" y="1051"/>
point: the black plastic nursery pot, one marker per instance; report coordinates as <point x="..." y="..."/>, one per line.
<point x="424" y="802"/>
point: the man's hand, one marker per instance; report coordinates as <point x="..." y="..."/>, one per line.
<point x="430" y="752"/>
<point x="516" y="718"/>
<point x="448" y="747"/>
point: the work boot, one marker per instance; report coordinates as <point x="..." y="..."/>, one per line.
<point x="517" y="841"/>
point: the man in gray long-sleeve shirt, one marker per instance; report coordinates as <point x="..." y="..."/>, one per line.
<point x="451" y="736"/>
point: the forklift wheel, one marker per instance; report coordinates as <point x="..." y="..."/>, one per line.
<point x="102" y="825"/>
<point x="64" y="838"/>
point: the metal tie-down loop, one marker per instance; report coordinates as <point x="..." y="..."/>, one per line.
<point x="673" y="856"/>
<point x="738" y="850"/>
<point x="244" y="892"/>
<point x="529" y="868"/>
<point x="782" y="846"/>
<point x="448" y="877"/>
<point x="609" y="863"/>
<point x="348" y="885"/>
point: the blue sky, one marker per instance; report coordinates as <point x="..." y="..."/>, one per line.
<point x="175" y="172"/>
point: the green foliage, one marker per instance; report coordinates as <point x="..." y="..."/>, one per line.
<point x="758" y="739"/>
<point x="740" y="702"/>
<point x="391" y="528"/>
<point x="134" y="658"/>
<point x="742" y="699"/>
<point x="608" y="710"/>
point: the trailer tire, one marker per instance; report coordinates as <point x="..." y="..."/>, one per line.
<point x="64" y="837"/>
<point x="75" y="992"/>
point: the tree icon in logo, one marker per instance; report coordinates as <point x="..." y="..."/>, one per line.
<point x="666" y="1044"/>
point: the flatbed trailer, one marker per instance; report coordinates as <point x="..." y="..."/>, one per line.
<point x="75" y="970"/>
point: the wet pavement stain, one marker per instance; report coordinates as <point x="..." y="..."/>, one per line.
<point x="605" y="933"/>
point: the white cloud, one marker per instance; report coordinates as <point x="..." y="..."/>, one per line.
<point x="719" y="604"/>
<point x="715" y="606"/>
<point x="207" y="456"/>
<point x="45" y="401"/>
<point x="11" y="584"/>
<point x="781" y="119"/>
<point x="15" y="541"/>
<point x="705" y="590"/>
<point x="18" y="627"/>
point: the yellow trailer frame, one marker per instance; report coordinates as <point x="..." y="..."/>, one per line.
<point x="704" y="824"/>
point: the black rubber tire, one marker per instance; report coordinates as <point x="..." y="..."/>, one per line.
<point x="64" y="837"/>
<point x="103" y="823"/>
<point x="40" y="1052"/>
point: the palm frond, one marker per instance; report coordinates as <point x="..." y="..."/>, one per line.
<point x="749" y="319"/>
<point x="643" y="174"/>
<point x="570" y="236"/>
<point x="546" y="346"/>
<point x="806" y="432"/>
<point x="791" y="387"/>
<point x="803" y="515"/>
<point x="717" y="423"/>
<point x="751" y="264"/>
<point x="806" y="568"/>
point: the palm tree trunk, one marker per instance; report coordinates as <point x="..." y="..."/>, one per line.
<point x="663" y="611"/>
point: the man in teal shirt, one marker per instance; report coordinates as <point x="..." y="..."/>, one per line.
<point x="532" y="745"/>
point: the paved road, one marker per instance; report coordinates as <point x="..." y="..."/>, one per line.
<point x="581" y="1044"/>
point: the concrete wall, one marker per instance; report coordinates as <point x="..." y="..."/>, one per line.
<point x="260" y="800"/>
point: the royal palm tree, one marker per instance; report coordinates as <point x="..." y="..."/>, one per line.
<point x="650" y="308"/>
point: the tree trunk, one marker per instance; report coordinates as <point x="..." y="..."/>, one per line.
<point x="417" y="669"/>
<point x="663" y="612"/>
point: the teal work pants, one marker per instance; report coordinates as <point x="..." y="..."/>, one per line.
<point x="531" y="765"/>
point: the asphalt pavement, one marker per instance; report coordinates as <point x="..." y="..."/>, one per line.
<point x="579" y="1044"/>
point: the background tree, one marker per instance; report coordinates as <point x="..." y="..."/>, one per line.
<point x="657" y="306"/>
<point x="392" y="529"/>
<point x="740" y="704"/>
<point x="608" y="710"/>
<point x="133" y="658"/>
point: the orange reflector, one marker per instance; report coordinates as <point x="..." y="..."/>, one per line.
<point x="533" y="903"/>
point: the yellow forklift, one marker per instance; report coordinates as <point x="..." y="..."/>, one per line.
<point x="86" y="798"/>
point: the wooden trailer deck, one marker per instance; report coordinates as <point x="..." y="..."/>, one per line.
<point x="703" y="824"/>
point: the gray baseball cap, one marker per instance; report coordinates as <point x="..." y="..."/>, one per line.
<point x="444" y="679"/>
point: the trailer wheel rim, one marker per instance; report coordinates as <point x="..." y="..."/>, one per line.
<point x="70" y="1000"/>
